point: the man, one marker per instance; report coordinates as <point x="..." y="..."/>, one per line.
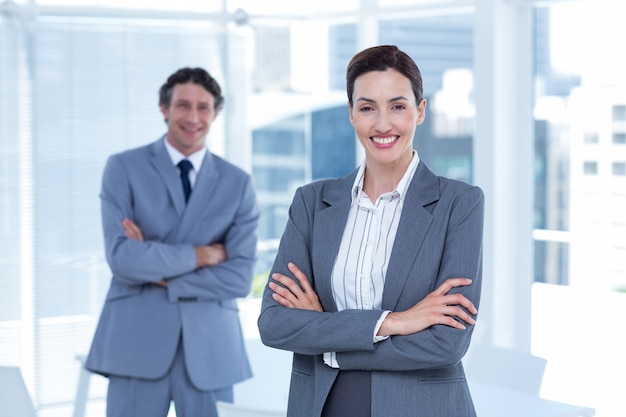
<point x="169" y="329"/>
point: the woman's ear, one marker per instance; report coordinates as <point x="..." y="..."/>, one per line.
<point x="421" y="112"/>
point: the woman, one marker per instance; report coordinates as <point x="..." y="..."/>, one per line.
<point x="377" y="278"/>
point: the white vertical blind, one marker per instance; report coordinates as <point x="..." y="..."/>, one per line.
<point x="72" y="91"/>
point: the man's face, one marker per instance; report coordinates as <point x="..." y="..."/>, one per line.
<point x="189" y="117"/>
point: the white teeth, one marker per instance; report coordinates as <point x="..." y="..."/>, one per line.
<point x="385" y="140"/>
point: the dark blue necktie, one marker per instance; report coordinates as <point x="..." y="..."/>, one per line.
<point x="185" y="166"/>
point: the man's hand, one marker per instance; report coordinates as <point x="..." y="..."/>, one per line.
<point x="210" y="255"/>
<point x="293" y="295"/>
<point x="134" y="232"/>
<point x="131" y="229"/>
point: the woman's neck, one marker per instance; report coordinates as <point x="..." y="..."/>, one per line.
<point x="379" y="179"/>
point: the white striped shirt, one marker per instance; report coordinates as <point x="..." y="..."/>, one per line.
<point x="359" y="272"/>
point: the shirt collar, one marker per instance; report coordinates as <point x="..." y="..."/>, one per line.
<point x="176" y="156"/>
<point x="403" y="185"/>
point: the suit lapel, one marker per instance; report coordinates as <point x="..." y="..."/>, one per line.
<point x="200" y="198"/>
<point x="198" y="201"/>
<point x="327" y="234"/>
<point x="414" y="224"/>
<point x="168" y="173"/>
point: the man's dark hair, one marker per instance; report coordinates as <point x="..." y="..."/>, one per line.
<point x="195" y="75"/>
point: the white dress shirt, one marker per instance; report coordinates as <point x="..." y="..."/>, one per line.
<point x="358" y="276"/>
<point x="195" y="158"/>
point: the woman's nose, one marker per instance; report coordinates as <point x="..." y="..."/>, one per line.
<point x="383" y="122"/>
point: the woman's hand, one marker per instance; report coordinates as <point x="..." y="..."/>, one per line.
<point x="293" y="295"/>
<point x="438" y="307"/>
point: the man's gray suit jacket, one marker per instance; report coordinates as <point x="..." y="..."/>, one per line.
<point x="141" y="323"/>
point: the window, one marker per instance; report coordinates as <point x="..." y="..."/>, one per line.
<point x="74" y="89"/>
<point x="619" y="169"/>
<point x="590" y="168"/>
<point x="75" y="92"/>
<point x="590" y="137"/>
<point x="585" y="261"/>
<point x="619" y="113"/>
<point x="619" y="138"/>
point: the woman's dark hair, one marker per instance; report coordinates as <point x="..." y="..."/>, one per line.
<point x="381" y="58"/>
<point x="196" y="76"/>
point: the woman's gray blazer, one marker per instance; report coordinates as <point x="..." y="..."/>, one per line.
<point x="439" y="237"/>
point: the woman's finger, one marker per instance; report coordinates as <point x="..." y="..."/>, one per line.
<point x="450" y="283"/>
<point x="304" y="281"/>
<point x="460" y="299"/>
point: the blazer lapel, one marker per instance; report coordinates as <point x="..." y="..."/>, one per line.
<point x="414" y="224"/>
<point x="327" y="235"/>
<point x="200" y="198"/>
<point x="164" y="167"/>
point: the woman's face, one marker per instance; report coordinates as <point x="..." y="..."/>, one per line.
<point x="384" y="116"/>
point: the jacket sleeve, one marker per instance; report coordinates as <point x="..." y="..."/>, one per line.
<point x="232" y="278"/>
<point x="303" y="331"/>
<point x="460" y="256"/>
<point x="135" y="262"/>
<point x="452" y="249"/>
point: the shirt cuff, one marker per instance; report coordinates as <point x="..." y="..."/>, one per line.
<point x="330" y="359"/>
<point x="378" y="324"/>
